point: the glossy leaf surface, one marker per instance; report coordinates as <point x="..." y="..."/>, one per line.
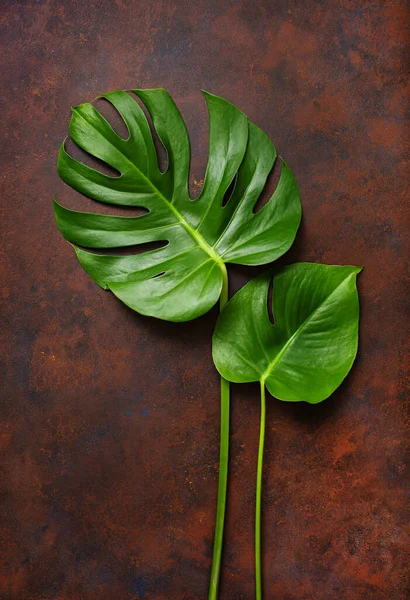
<point x="310" y="348"/>
<point x="182" y="279"/>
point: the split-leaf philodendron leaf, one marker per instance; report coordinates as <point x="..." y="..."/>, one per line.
<point x="310" y="348"/>
<point x="183" y="279"/>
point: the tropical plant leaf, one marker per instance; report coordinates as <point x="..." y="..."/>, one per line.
<point x="310" y="348"/>
<point x="183" y="279"/>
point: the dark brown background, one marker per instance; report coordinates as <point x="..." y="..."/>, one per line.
<point x="109" y="421"/>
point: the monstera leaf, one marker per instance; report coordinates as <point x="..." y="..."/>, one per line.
<point x="310" y="348"/>
<point x="182" y="279"/>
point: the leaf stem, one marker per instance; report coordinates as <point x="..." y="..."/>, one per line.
<point x="223" y="466"/>
<point x="258" y="569"/>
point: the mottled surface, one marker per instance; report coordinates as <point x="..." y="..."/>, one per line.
<point x="109" y="421"/>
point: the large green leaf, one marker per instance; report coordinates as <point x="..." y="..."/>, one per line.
<point x="183" y="279"/>
<point x="310" y="348"/>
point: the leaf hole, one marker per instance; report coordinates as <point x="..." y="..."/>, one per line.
<point x="111" y="114"/>
<point x="229" y="191"/>
<point x="122" y="211"/>
<point x="162" y="154"/>
<point x="128" y="250"/>
<point x="158" y="275"/>
<point x="270" y="186"/>
<point x="85" y="204"/>
<point x="89" y="160"/>
<point x="196" y="119"/>
<point x="270" y="302"/>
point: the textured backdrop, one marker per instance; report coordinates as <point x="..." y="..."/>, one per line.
<point x="108" y="420"/>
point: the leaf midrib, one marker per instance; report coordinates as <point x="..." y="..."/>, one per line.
<point x="275" y="361"/>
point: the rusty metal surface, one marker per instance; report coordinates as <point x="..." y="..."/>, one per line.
<point x="108" y="420"/>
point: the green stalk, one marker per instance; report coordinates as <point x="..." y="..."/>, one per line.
<point x="258" y="569"/>
<point x="223" y="468"/>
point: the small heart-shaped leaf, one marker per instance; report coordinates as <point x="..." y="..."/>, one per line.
<point x="310" y="348"/>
